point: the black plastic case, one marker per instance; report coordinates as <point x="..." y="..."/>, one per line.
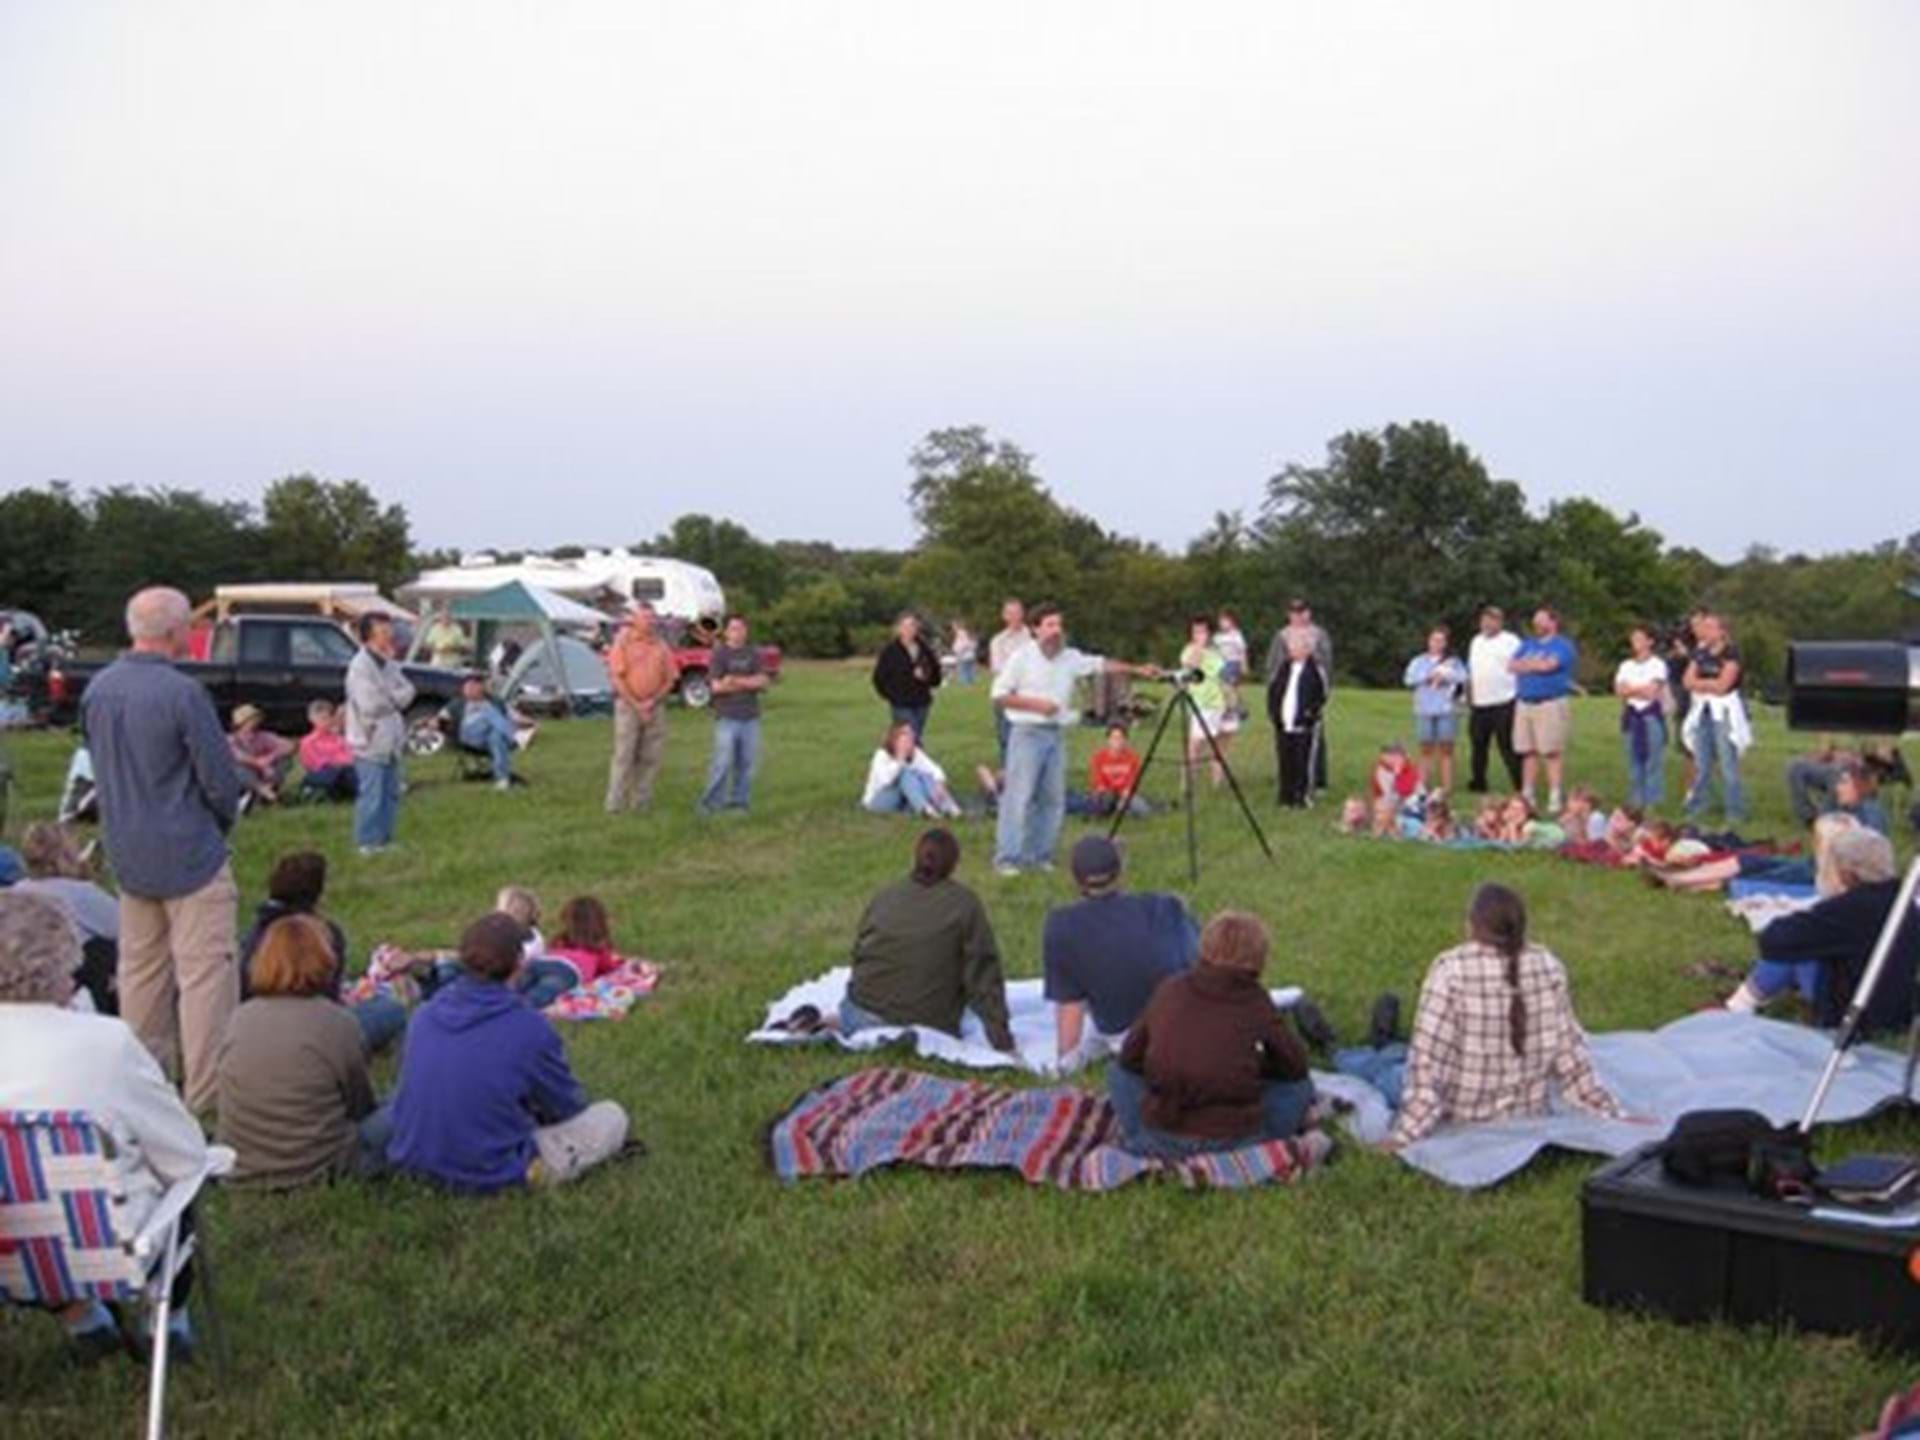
<point x="1649" y="1242"/>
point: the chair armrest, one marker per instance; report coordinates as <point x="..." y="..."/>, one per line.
<point x="174" y="1201"/>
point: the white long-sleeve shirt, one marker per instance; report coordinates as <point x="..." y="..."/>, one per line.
<point x="886" y="769"/>
<point x="53" y="1059"/>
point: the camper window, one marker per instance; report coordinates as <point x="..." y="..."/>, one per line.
<point x="649" y="588"/>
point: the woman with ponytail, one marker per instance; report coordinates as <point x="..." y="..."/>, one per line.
<point x="1495" y="1033"/>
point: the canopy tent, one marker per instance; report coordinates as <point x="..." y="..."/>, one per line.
<point x="518" y="603"/>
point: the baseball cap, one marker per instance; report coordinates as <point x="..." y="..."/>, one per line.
<point x="1096" y="862"/>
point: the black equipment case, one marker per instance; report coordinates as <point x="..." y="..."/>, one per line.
<point x="1692" y="1253"/>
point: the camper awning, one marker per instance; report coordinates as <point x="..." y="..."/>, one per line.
<point x="519" y="602"/>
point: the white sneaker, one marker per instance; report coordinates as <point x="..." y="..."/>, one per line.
<point x="503" y="784"/>
<point x="1007" y="872"/>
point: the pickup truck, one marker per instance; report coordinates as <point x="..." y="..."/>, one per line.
<point x="281" y="663"/>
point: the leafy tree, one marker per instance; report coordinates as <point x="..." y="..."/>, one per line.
<point x="817" y="620"/>
<point x="1397" y="530"/>
<point x="1607" y="575"/>
<point x="753" y="573"/>
<point x="317" y="529"/>
<point x="158" y="537"/>
<point x="44" y="531"/>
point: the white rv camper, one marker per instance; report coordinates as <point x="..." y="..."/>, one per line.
<point x="605" y="579"/>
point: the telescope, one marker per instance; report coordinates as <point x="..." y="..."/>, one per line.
<point x="1860" y="687"/>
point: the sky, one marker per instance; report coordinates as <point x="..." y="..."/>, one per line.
<point x="559" y="271"/>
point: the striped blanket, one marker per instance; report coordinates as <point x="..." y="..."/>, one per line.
<point x="1059" y="1136"/>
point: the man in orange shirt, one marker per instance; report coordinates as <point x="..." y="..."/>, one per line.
<point x="643" y="673"/>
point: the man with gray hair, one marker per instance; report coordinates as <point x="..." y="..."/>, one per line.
<point x="169" y="792"/>
<point x="1823" y="951"/>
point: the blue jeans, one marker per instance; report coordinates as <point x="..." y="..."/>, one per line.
<point x="377" y="806"/>
<point x="1773" y="977"/>
<point x="1810" y="786"/>
<point x="1385" y="1069"/>
<point x="1034" y="798"/>
<point x="375" y="1131"/>
<point x="1710" y="744"/>
<point x="1646" y="780"/>
<point x="914" y="715"/>
<point x="1001" y="728"/>
<point x="912" y="793"/>
<point x="736" y="754"/>
<point x="965" y="670"/>
<point x="382" y="1021"/>
<point x="331" y="782"/>
<point x="541" y="982"/>
<point x="1780" y="869"/>
<point x="485" y="728"/>
<point x="1283" y="1108"/>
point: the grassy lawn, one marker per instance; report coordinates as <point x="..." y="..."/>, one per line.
<point x="691" y="1293"/>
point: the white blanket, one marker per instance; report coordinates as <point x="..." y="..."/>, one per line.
<point x="1715" y="1060"/>
<point x="1029" y="1013"/>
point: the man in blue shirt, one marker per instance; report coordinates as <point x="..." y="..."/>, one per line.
<point x="1107" y="953"/>
<point x="169" y="791"/>
<point x="1543" y="668"/>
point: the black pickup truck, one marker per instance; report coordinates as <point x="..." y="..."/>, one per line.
<point x="281" y="663"/>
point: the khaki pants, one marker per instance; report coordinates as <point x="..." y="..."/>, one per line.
<point x="638" y="748"/>
<point x="178" y="981"/>
<point x="573" y="1147"/>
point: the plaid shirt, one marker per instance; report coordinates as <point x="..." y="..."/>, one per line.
<point x="1461" y="1065"/>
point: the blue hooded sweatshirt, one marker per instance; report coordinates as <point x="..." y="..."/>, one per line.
<point x="481" y="1071"/>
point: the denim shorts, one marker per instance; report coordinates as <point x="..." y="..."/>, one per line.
<point x="1435" y="729"/>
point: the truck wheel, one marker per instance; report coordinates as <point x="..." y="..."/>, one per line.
<point x="695" y="690"/>
<point x="424" y="735"/>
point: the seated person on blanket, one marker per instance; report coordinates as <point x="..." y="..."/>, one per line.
<point x="1494" y="1033"/>
<point x="325" y="756"/>
<point x="481" y="723"/>
<point x="1583" y="820"/>
<point x="1856" y="792"/>
<point x="56" y="1058"/>
<point x="262" y="757"/>
<point x="1108" y="953"/>
<point x="1212" y="1064"/>
<point x="487" y="1100"/>
<point x="1521" y="826"/>
<point x="903" y="779"/>
<point x="522" y="906"/>
<point x="925" y="953"/>
<point x="295" y="887"/>
<point x="578" y="954"/>
<point x="56" y="871"/>
<point x="296" y="1103"/>
<point x="1821" y="952"/>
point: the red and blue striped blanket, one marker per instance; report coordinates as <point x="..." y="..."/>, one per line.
<point x="1060" y="1136"/>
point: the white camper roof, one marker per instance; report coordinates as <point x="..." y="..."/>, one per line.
<point x="604" y="578"/>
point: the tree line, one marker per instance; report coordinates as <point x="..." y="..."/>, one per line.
<point x="1391" y="532"/>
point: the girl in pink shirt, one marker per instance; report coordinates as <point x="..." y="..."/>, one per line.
<point x="584" y="941"/>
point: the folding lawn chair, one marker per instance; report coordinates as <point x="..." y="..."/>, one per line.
<point x="58" y="1244"/>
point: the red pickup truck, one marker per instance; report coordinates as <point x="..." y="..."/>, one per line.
<point x="694" y="661"/>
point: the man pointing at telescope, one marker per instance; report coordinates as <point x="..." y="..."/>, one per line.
<point x="1035" y="692"/>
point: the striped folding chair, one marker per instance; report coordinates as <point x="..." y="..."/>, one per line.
<point x="58" y="1239"/>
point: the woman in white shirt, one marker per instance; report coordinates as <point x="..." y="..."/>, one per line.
<point x="1641" y="684"/>
<point x="904" y="780"/>
<point x="54" y="1058"/>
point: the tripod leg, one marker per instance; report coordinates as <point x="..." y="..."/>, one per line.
<point x="1146" y="764"/>
<point x="1233" y="781"/>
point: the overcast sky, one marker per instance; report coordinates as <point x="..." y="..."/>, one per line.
<point x="560" y="271"/>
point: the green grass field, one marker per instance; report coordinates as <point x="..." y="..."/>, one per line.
<point x="691" y="1293"/>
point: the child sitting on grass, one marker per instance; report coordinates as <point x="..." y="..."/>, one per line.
<point x="1438" y="826"/>
<point x="1582" y="820"/>
<point x="326" y="757"/>
<point x="584" y="942"/>
<point x="1355" y="815"/>
<point x="1111" y="774"/>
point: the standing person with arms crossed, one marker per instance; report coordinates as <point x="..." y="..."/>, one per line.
<point x="1036" y="693"/>
<point x="1491" y="689"/>
<point x="1717" y="726"/>
<point x="737" y="680"/>
<point x="906" y="673"/>
<point x="169" y="793"/>
<point x="1012" y="637"/>
<point x="377" y="698"/>
<point x="643" y="673"/>
<point x="1543" y="718"/>
<point x="1641" y="684"/>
